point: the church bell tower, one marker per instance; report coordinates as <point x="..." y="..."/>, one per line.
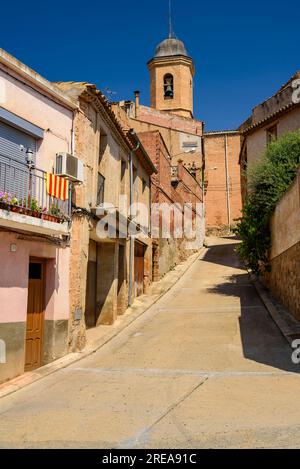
<point x="171" y="76"/>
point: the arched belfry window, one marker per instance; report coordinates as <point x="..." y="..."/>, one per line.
<point x="168" y="86"/>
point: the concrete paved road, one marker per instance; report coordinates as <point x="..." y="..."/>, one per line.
<point x="205" y="367"/>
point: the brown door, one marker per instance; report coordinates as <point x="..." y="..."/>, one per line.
<point x="35" y="315"/>
<point x="139" y="269"/>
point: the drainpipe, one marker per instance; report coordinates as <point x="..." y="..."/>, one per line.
<point x="203" y="168"/>
<point x="227" y="182"/>
<point x="131" y="237"/>
<point x="73" y="135"/>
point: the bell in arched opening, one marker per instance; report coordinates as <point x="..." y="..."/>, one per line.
<point x="168" y="86"/>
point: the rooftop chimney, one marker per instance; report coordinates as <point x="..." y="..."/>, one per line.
<point x="137" y="102"/>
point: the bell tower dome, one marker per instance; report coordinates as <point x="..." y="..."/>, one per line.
<point x="171" y="76"/>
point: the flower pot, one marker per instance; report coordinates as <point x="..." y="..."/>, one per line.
<point x="28" y="212"/>
<point x="35" y="214"/>
<point x="56" y="219"/>
<point x="3" y="205"/>
<point x="16" y="209"/>
<point x="49" y="217"/>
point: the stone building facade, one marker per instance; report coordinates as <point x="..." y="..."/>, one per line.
<point x="106" y="272"/>
<point x="269" y="120"/>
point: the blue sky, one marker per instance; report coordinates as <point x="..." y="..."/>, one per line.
<point x="243" y="51"/>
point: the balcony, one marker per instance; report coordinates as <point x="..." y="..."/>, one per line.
<point x="25" y="204"/>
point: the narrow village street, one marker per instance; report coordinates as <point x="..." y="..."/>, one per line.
<point x="205" y="367"/>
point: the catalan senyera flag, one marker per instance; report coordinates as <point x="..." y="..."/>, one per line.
<point x="57" y="187"/>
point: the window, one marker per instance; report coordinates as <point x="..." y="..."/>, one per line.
<point x="100" y="189"/>
<point x="271" y="133"/>
<point x="103" y="145"/>
<point x="123" y="169"/>
<point x="168" y="86"/>
<point x="123" y="179"/>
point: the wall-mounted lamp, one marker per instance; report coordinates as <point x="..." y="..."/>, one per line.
<point x="30" y="158"/>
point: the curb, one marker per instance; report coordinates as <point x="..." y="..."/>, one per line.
<point x="286" y="323"/>
<point x="26" y="379"/>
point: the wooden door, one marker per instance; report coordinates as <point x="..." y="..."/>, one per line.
<point x="139" y="269"/>
<point x="35" y="315"/>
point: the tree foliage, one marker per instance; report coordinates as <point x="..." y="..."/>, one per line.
<point x="267" y="180"/>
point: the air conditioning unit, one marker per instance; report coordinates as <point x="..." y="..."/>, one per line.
<point x="69" y="166"/>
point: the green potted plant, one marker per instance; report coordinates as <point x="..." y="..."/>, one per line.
<point x="9" y="202"/>
<point x="31" y="207"/>
<point x="53" y="214"/>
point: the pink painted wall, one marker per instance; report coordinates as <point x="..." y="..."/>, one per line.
<point x="14" y="278"/>
<point x="33" y="106"/>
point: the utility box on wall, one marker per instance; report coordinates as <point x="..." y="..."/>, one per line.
<point x="69" y="166"/>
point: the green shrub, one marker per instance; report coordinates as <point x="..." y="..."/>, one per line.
<point x="268" y="180"/>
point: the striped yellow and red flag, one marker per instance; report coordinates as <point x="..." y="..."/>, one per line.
<point x="57" y="187"/>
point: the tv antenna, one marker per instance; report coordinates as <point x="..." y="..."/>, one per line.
<point x="109" y="93"/>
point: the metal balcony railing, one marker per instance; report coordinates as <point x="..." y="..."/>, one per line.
<point x="23" y="189"/>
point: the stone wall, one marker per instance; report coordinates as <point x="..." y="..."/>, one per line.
<point x="284" y="278"/>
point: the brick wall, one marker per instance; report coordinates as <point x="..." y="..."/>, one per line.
<point x="168" y="253"/>
<point x="215" y="179"/>
<point x="168" y="120"/>
<point x="175" y="131"/>
<point x="156" y="149"/>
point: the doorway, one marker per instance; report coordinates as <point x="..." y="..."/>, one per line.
<point x="122" y="280"/>
<point x="91" y="287"/>
<point x="139" y="251"/>
<point x="35" y="314"/>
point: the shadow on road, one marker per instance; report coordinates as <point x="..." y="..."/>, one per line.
<point x="223" y="254"/>
<point x="261" y="339"/>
